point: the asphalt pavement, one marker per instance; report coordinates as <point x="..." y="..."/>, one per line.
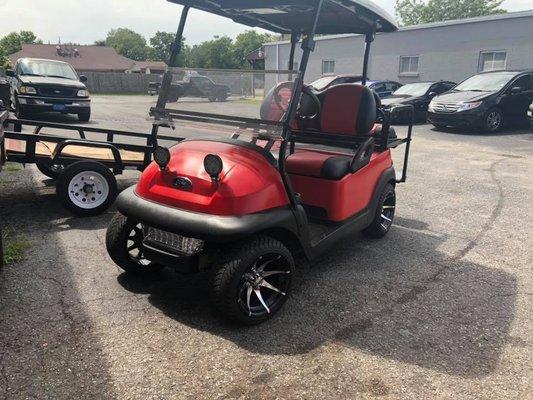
<point x="440" y="308"/>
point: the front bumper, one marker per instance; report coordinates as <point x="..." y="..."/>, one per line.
<point x="467" y="119"/>
<point x="207" y="227"/>
<point x="37" y="104"/>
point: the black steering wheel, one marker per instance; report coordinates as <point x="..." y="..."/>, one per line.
<point x="309" y="106"/>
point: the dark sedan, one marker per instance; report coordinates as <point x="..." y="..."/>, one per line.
<point x="418" y="95"/>
<point x="485" y="101"/>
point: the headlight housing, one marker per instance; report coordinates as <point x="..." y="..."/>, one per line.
<point x="431" y="106"/>
<point x="27" y="90"/>
<point x="83" y="93"/>
<point x="468" y="106"/>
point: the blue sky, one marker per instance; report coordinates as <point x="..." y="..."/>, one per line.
<point x="86" y="21"/>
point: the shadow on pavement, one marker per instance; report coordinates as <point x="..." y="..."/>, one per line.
<point x="48" y="348"/>
<point x="398" y="298"/>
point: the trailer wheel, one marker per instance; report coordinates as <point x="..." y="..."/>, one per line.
<point x="50" y="170"/>
<point x="87" y="188"/>
<point x="124" y="245"/>
<point x="252" y="281"/>
<point x="384" y="217"/>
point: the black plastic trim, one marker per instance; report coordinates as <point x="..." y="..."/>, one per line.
<point x="211" y="228"/>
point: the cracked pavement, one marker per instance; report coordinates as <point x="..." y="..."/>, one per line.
<point x="440" y="308"/>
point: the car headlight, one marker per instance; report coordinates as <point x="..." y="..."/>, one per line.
<point x="83" y="93"/>
<point x="468" y="106"/>
<point x="431" y="106"/>
<point x="27" y="90"/>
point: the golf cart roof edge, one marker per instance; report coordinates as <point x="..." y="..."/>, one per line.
<point x="380" y="17"/>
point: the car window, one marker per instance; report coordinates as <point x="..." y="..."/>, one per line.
<point x="47" y="68"/>
<point x="524" y="82"/>
<point x="380" y="87"/>
<point x="439" y="88"/>
<point x="414" y="89"/>
<point x="490" y="82"/>
<point x="391" y="86"/>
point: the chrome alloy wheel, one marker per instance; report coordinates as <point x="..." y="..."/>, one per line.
<point x="387" y="211"/>
<point x="494" y="121"/>
<point x="264" y="285"/>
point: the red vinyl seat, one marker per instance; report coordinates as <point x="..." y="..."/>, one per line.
<point x="347" y="109"/>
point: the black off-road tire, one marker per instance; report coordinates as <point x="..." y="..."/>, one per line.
<point x="377" y="228"/>
<point x="225" y="277"/>
<point x="62" y="187"/>
<point x="116" y="240"/>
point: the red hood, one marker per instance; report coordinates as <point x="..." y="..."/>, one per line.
<point x="249" y="183"/>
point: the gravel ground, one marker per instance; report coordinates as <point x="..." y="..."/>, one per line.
<point x="440" y="308"/>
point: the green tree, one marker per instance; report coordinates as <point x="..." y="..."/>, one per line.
<point x="413" y="12"/>
<point x="4" y="61"/>
<point x="12" y="42"/>
<point x="100" y="42"/>
<point x="216" y="53"/>
<point x="160" y="45"/>
<point x="128" y="43"/>
<point x="247" y="42"/>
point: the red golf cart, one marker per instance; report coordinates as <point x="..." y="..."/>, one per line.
<point x="309" y="169"/>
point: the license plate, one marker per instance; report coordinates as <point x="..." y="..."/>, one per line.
<point x="58" y="107"/>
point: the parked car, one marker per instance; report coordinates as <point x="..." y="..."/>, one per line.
<point x="418" y="95"/>
<point x="530" y="116"/>
<point x="39" y="85"/>
<point x="198" y="86"/>
<point x="484" y="101"/>
<point x="382" y="88"/>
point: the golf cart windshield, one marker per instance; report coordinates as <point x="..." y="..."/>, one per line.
<point x="486" y="82"/>
<point x="47" y="68"/>
<point x="262" y="101"/>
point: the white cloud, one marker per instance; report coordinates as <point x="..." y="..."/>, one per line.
<point x="86" y="21"/>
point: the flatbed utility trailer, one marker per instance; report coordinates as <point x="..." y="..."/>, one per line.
<point x="85" y="168"/>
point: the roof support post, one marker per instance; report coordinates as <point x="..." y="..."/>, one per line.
<point x="175" y="50"/>
<point x="308" y="45"/>
<point x="369" y="38"/>
<point x="294" y="40"/>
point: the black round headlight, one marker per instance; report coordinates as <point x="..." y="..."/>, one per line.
<point x="213" y="165"/>
<point x="162" y="156"/>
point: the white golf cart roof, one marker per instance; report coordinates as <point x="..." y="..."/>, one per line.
<point x="287" y="16"/>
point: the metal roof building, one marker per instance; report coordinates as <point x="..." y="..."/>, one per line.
<point x="451" y="50"/>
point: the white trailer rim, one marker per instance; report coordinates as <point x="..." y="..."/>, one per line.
<point x="88" y="190"/>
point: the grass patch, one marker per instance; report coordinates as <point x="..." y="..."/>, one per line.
<point x="11" y="167"/>
<point x="249" y="101"/>
<point x="15" y="246"/>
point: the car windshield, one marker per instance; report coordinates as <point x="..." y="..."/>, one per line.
<point x="414" y="89"/>
<point x="47" y="68"/>
<point x="322" y="83"/>
<point x="485" y="82"/>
